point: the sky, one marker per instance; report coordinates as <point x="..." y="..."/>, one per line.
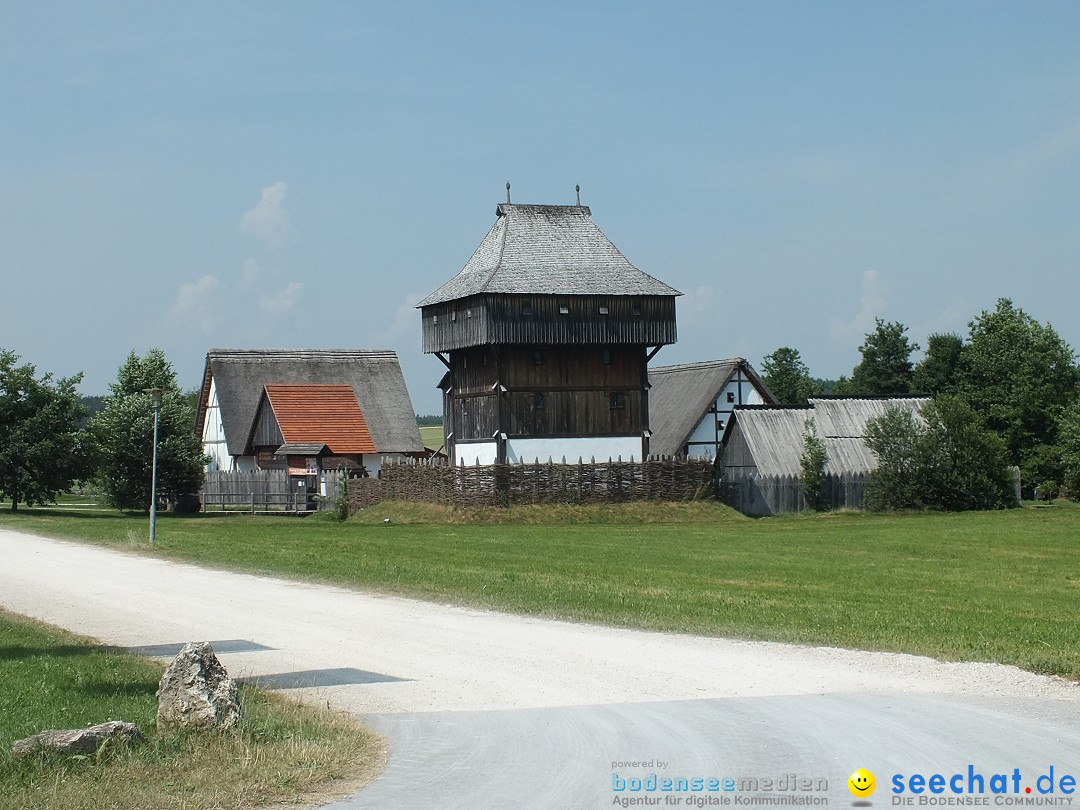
<point x="298" y="175"/>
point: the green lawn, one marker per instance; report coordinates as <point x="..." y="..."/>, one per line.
<point x="53" y="679"/>
<point x="432" y="436"/>
<point x="996" y="586"/>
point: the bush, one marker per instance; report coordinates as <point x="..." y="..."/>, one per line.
<point x="945" y="459"/>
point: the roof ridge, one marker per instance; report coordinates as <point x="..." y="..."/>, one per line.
<point x="697" y="364"/>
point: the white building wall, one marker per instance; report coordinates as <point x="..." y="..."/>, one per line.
<point x="213" y="436"/>
<point x="705" y="438"/>
<point x="601" y="448"/>
<point x="474" y="452"/>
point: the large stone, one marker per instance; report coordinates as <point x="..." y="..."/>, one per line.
<point x="79" y="740"/>
<point x="196" y="691"/>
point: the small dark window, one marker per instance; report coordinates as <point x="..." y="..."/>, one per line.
<point x="564" y="308"/>
<point x="538" y="402"/>
<point x="636" y="308"/>
<point x="730" y="396"/>
<point x="453" y="316"/>
<point x="605" y="357"/>
<point x="618" y="400"/>
<point x="527" y="308"/>
<point x="603" y="309"/>
<point x="538" y="358"/>
<point x="468" y="313"/>
<point x="435" y="319"/>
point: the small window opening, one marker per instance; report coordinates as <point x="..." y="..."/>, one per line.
<point x="527" y="308"/>
<point x="538" y="402"/>
<point x="538" y="358"/>
<point x="606" y="357"/>
<point x="564" y="309"/>
<point x="618" y="400"/>
<point x="603" y="310"/>
<point x="730" y="396"/>
<point x="636" y="308"/>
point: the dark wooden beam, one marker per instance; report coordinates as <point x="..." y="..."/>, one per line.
<point x="442" y="359"/>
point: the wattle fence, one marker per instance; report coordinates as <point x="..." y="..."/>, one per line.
<point x="538" y="483"/>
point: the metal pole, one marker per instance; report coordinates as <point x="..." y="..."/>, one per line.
<point x="155" y="399"/>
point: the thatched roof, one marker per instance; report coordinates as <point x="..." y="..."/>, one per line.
<point x="547" y="249"/>
<point x="374" y="374"/>
<point x="680" y="395"/>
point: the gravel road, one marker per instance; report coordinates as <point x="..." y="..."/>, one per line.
<point x="484" y="709"/>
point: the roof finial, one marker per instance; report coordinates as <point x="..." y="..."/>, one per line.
<point x="577" y="189"/>
<point x="508" y="192"/>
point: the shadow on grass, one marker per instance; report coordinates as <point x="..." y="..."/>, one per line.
<point x="18" y="652"/>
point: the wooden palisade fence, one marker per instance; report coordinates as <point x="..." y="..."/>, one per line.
<point x="754" y="494"/>
<point x="270" y="491"/>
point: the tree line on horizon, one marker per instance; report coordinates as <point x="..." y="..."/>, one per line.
<point x="1006" y="394"/>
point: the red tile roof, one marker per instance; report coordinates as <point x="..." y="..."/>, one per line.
<point x="325" y="414"/>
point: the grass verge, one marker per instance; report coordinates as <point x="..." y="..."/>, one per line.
<point x="53" y="679"/>
<point x="989" y="586"/>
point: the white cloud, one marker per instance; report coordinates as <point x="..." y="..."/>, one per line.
<point x="701" y="299"/>
<point x="268" y="220"/>
<point x="198" y="302"/>
<point x="282" y="301"/>
<point x="405" y="318"/>
<point x="250" y="274"/>
<point x="871" y="306"/>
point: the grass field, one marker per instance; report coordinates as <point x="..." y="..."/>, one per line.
<point x="432" y="436"/>
<point x="994" y="586"/>
<point x="52" y="679"/>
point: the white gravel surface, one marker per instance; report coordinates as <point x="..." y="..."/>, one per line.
<point x="445" y="657"/>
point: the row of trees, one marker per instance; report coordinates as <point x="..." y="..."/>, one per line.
<point x="47" y="443"/>
<point x="1018" y="378"/>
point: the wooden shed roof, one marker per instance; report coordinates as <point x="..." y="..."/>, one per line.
<point x="547" y="249"/>
<point x="240" y="376"/>
<point x="680" y="395"/>
<point x="774" y="435"/>
<point x="320" y="414"/>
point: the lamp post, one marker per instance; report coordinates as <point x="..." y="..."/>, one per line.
<point x="155" y="401"/>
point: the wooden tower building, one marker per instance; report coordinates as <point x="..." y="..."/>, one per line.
<point x="546" y="334"/>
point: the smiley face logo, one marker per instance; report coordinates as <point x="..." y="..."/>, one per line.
<point x="862" y="783"/>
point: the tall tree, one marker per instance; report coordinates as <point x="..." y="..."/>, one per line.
<point x="42" y="450"/>
<point x="1069" y="437"/>
<point x="940" y="370"/>
<point x="1021" y="376"/>
<point x="124" y="433"/>
<point x="886" y="366"/>
<point x="787" y="376"/>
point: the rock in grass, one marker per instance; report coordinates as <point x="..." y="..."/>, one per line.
<point x="79" y="740"/>
<point x="196" y="692"/>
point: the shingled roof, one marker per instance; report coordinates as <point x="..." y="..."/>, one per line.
<point x="547" y="249"/>
<point x="374" y="375"/>
<point x="680" y="395"/>
<point x="775" y="434"/>
<point x="320" y="414"/>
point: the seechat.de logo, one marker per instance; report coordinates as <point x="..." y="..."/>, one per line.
<point x="861" y="783"/>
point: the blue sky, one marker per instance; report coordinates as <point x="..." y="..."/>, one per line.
<point x="271" y="174"/>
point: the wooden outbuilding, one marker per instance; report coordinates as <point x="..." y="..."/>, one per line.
<point x="546" y="334"/>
